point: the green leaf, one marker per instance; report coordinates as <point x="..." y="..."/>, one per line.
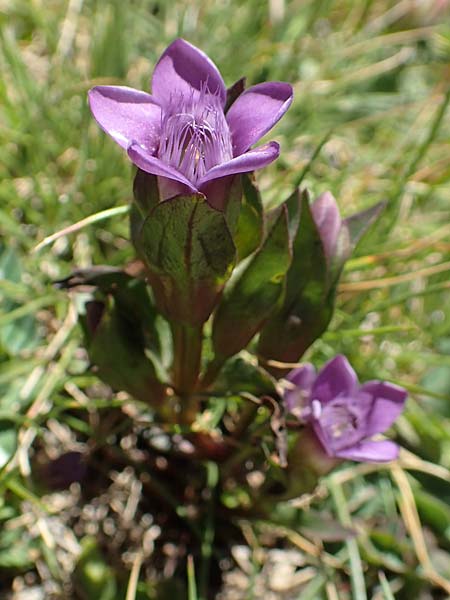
<point x="358" y="223"/>
<point x="190" y="254"/>
<point x="254" y="294"/>
<point x="131" y="296"/>
<point x="308" y="303"/>
<point x="117" y="350"/>
<point x="352" y="230"/>
<point x="145" y="191"/>
<point x="239" y="375"/>
<point x="104" y="277"/>
<point x="250" y="226"/>
<point x="434" y="512"/>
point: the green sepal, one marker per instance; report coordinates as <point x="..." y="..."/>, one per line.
<point x="255" y="293"/>
<point x="250" y="226"/>
<point x="117" y="350"/>
<point x="189" y="252"/>
<point x="145" y="191"/>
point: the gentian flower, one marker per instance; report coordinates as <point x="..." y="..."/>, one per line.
<point x="181" y="133"/>
<point x="342" y="414"/>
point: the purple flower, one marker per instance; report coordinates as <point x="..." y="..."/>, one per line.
<point x="181" y="133"/>
<point x="343" y="414"/>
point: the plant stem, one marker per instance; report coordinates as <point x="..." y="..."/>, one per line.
<point x="212" y="370"/>
<point x="187" y="350"/>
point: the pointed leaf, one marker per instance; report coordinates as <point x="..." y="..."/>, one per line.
<point x="131" y="295"/>
<point x="307" y="306"/>
<point x="359" y="223"/>
<point x="352" y="230"/>
<point x="239" y="375"/>
<point x="190" y="255"/>
<point x="101" y="276"/>
<point x="254" y="294"/>
<point x="117" y="350"/>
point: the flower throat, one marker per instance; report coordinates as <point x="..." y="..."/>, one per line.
<point x="194" y="134"/>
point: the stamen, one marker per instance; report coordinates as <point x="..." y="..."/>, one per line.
<point x="194" y="134"/>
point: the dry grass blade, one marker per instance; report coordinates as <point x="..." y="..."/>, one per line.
<point x="100" y="216"/>
<point x="134" y="577"/>
<point x="372" y="284"/>
<point x="304" y="545"/>
<point x="411" y="519"/>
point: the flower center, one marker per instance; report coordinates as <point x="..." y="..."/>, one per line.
<point x="194" y="134"/>
<point x="339" y="422"/>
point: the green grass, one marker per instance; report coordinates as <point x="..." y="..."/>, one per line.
<point x="370" y="122"/>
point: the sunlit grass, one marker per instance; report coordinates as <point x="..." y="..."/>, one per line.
<point x="370" y="122"/>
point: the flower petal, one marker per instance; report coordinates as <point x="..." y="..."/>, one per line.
<point x="254" y="159"/>
<point x="336" y="377"/>
<point x="388" y="401"/>
<point x="328" y="221"/>
<point x="126" y="115"/>
<point x="298" y="390"/>
<point x="371" y="451"/>
<point x="303" y="376"/>
<point x="184" y="68"/>
<point x="256" y="111"/>
<point x="151" y="164"/>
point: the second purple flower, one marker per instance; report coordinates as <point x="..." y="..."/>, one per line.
<point x="343" y="414"/>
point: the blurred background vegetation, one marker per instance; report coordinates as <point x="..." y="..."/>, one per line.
<point x="369" y="122"/>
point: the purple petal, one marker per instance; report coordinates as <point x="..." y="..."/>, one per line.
<point x="388" y="401"/>
<point x="127" y="115"/>
<point x="336" y="377"/>
<point x="303" y="379"/>
<point x="303" y="376"/>
<point x="151" y="164"/>
<point x="218" y="192"/>
<point x="328" y="221"/>
<point x="250" y="161"/>
<point x="183" y="68"/>
<point x="169" y="188"/>
<point x="371" y="451"/>
<point x="256" y="111"/>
